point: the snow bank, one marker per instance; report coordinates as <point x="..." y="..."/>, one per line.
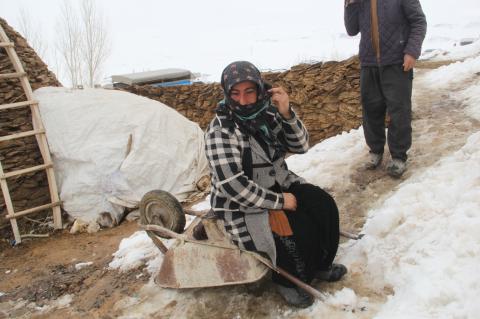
<point x="110" y="145"/>
<point x="454" y="73"/>
<point x="424" y="241"/>
<point x="331" y="162"/>
<point x="135" y="251"/>
<point x="458" y="73"/>
<point x="455" y="50"/>
<point x="471" y="99"/>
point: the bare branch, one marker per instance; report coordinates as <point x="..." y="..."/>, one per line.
<point x="32" y="32"/>
<point x="96" y="46"/>
<point x="69" y="42"/>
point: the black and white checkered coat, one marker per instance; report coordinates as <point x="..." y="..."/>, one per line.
<point x="243" y="203"/>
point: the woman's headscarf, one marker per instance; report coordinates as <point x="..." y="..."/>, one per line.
<point x="238" y="72"/>
<point x="251" y="118"/>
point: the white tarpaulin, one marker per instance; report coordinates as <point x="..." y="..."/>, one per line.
<point x="110" y="144"/>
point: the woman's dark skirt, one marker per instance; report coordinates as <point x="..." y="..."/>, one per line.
<point x="314" y="243"/>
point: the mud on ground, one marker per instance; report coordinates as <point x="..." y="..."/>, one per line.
<point x="41" y="270"/>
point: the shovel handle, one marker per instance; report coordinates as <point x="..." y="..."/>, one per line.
<point x="306" y="287"/>
<point x="314" y="292"/>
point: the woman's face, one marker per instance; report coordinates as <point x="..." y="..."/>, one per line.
<point x="244" y="93"/>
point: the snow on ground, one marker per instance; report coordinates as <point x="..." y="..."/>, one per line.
<point x="454" y="73"/>
<point x="455" y="52"/>
<point x="203" y="205"/>
<point x="330" y="162"/>
<point x="471" y="98"/>
<point x="460" y="72"/>
<point x="137" y="250"/>
<point x="424" y="241"/>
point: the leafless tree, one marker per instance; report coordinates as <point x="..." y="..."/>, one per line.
<point x="32" y="32"/>
<point x="55" y="63"/>
<point x="83" y="41"/>
<point x="96" y="43"/>
<point x="69" y="42"/>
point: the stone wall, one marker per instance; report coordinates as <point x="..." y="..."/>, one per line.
<point x="32" y="189"/>
<point x="326" y="96"/>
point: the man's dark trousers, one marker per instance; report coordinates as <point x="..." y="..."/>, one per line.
<point x="387" y="89"/>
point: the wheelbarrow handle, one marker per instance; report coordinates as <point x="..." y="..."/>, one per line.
<point x="163" y="232"/>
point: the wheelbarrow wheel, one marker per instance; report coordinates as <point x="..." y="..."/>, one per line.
<point x="161" y="208"/>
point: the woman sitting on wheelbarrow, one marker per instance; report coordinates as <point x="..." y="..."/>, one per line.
<point x="265" y="207"/>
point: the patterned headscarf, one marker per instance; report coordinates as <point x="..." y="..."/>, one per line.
<point x="238" y="72"/>
<point x="250" y="118"/>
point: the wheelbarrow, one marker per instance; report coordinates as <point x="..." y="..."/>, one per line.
<point x="191" y="262"/>
<point x="202" y="254"/>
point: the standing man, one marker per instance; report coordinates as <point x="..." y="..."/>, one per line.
<point x="392" y="32"/>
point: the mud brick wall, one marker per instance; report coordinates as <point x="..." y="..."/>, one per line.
<point x="326" y="96"/>
<point x="27" y="190"/>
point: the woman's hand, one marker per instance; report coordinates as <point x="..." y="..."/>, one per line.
<point x="281" y="100"/>
<point x="289" y="201"/>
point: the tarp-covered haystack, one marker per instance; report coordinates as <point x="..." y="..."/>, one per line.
<point x="111" y="147"/>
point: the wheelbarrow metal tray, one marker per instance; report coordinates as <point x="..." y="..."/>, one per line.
<point x="190" y="265"/>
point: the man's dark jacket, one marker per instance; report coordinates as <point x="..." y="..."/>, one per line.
<point x="402" y="27"/>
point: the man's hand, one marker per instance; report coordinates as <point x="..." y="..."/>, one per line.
<point x="408" y="62"/>
<point x="281" y="100"/>
<point x="289" y="201"/>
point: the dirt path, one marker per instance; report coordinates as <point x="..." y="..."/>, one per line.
<point x="38" y="272"/>
<point x="41" y="272"/>
<point x="440" y="127"/>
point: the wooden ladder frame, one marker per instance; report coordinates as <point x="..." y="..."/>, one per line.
<point x="39" y="132"/>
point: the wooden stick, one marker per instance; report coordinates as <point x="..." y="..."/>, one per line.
<point x="199" y="213"/>
<point x="350" y="235"/>
<point x="309" y="289"/>
<point x="9" y="204"/>
<point x="12" y="75"/>
<point x="21" y="135"/>
<point x="6" y="44"/>
<point x="157" y="242"/>
<point x="17" y="104"/>
<point x="33" y="210"/>
<point x="35" y="235"/>
<point x="26" y="170"/>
